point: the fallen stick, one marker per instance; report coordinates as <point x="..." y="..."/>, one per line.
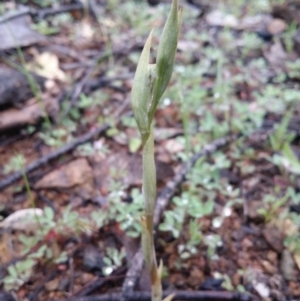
<point x="54" y="155"/>
<point x="63" y="150"/>
<point x="179" y="295"/>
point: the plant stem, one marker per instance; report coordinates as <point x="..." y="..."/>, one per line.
<point x="149" y="174"/>
<point x="149" y="192"/>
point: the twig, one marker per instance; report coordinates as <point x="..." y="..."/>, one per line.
<point x="99" y="82"/>
<point x="170" y="189"/>
<point x="40" y="13"/>
<point x="179" y="295"/>
<point x="55" y="154"/>
<point x="162" y="201"/>
<point x="44" y="199"/>
<point x="71" y="282"/>
<point x="77" y="90"/>
<point x="97" y="283"/>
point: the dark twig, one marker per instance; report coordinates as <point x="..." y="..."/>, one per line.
<point x="57" y="153"/>
<point x="77" y="90"/>
<point x="79" y="86"/>
<point x="40" y="13"/>
<point x="72" y="276"/>
<point x="162" y="201"/>
<point x="99" y="82"/>
<point x="45" y="200"/>
<point x="179" y="295"/>
<point x="170" y="188"/>
<point x="97" y="283"/>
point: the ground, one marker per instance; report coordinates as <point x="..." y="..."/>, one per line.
<point x="226" y="146"/>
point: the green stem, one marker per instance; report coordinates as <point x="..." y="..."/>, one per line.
<point x="149" y="174"/>
<point x="149" y="192"/>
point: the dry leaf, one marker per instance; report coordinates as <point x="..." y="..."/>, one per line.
<point x="47" y="65"/>
<point x="24" y="219"/>
<point x="29" y="114"/>
<point x="75" y="173"/>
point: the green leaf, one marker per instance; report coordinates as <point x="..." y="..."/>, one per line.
<point x="166" y="54"/>
<point x="289" y="154"/>
<point x="149" y="175"/>
<point x="134" y="144"/>
<point x="12" y="271"/>
<point x="49" y="213"/>
<point x="141" y="90"/>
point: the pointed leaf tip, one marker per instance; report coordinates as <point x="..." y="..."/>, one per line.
<point x="141" y="89"/>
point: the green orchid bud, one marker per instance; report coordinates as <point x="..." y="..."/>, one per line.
<point x="141" y="90"/>
<point x="150" y="82"/>
<point x="166" y="54"/>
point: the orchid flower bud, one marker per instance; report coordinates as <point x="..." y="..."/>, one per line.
<point x="166" y="54"/>
<point x="151" y="80"/>
<point x="141" y="90"/>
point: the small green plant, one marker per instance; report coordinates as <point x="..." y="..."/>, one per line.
<point x="288" y="36"/>
<point x="196" y="237"/>
<point x="18" y="274"/>
<point x="293" y="69"/>
<point x="272" y="204"/>
<point x="112" y="260"/>
<point x="15" y="163"/>
<point x="124" y="213"/>
<point x="56" y="137"/>
<point x="43" y="244"/>
<point x="149" y="84"/>
<point x="173" y="221"/>
<point x="212" y="241"/>
<point x="280" y="135"/>
<point x="44" y="28"/>
<point x="287" y="159"/>
<point x="250" y="42"/>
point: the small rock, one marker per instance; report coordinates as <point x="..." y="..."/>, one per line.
<point x="276" y="26"/>
<point x="261" y="289"/>
<point x="273" y="238"/>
